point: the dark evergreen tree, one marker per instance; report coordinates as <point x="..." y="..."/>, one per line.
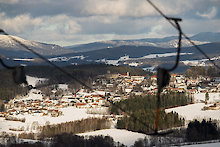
<point x="201" y="131"/>
<point x="142" y="112"/>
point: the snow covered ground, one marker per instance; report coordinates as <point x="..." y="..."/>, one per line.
<point x="34" y="80"/>
<point x="26" y="59"/>
<point x="205" y="145"/>
<point x="202" y="62"/>
<point x="150" y="56"/>
<point x="32" y="121"/>
<point x="125" y="137"/>
<point x="65" y="59"/>
<point x="213" y="97"/>
<point x="193" y="111"/>
<point x="33" y="95"/>
<point x="151" y="68"/>
<point x="63" y="86"/>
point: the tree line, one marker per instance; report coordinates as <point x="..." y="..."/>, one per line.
<point x="68" y="140"/>
<point x="195" y="132"/>
<point x="85" y="73"/>
<point x="73" y="127"/>
<point x="8" y="88"/>
<point x="201" y="131"/>
<point x="196" y="71"/>
<point x="142" y="110"/>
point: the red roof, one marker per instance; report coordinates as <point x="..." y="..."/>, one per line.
<point x="97" y="96"/>
<point x="174" y="75"/>
<point x="80" y="104"/>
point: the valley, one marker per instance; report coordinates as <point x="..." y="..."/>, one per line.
<point x="121" y="73"/>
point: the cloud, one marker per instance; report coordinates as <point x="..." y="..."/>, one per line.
<point x="131" y="8"/>
<point x="20" y="23"/>
<point x="45" y="29"/>
<point x="74" y="21"/>
<point x="194" y="26"/>
<point x="60" y="23"/>
<point x="84" y="8"/>
<point x="9" y="1"/>
<point x="25" y="23"/>
<point x="211" y="13"/>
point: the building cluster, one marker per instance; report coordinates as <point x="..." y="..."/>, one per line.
<point x="109" y="87"/>
<point x="123" y="84"/>
<point x="44" y="106"/>
<point x="179" y="83"/>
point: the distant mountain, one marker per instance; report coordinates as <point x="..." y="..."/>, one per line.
<point x="114" y="53"/>
<point x="10" y="48"/>
<point x="144" y="53"/>
<point x="207" y="36"/>
<point x="166" y="42"/>
<point x="90" y="46"/>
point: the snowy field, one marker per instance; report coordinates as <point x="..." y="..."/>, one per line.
<point x="150" y="56"/>
<point x="33" y="80"/>
<point x="202" y="62"/>
<point x="205" y="145"/>
<point x="213" y="97"/>
<point x="125" y="137"/>
<point x="193" y="111"/>
<point x="64" y="59"/>
<point x="33" y="95"/>
<point x="33" y="121"/>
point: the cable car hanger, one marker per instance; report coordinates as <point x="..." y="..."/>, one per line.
<point x="163" y="77"/>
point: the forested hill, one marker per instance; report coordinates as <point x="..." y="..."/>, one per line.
<point x="8" y="88"/>
<point x="84" y="73"/>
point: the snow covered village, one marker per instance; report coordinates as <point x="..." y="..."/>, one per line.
<point x="29" y="113"/>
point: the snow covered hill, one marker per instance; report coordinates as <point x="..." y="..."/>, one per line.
<point x="166" y="42"/>
<point x="145" y="53"/>
<point x="117" y="43"/>
<point x="125" y="137"/>
<point x="7" y="46"/>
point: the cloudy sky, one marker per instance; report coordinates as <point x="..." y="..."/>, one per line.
<point x="69" y="22"/>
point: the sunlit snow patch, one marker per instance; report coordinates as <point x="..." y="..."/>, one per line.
<point x="194" y="111"/>
<point x="202" y="62"/>
<point x="125" y="137"/>
<point x="25" y="59"/>
<point x="65" y="59"/>
<point x="126" y="58"/>
<point x="34" y="80"/>
<point x="152" y="68"/>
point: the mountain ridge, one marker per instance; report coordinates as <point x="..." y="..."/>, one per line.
<point x="7" y="44"/>
<point x="166" y="42"/>
<point x="144" y="55"/>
